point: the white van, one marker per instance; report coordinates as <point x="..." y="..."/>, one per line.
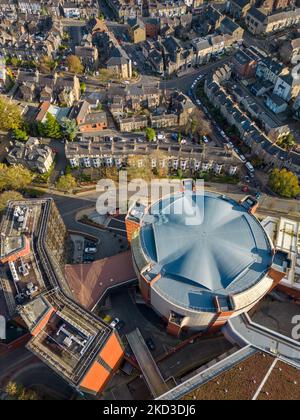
<point x="249" y="167"/>
<point x="90" y="250"/>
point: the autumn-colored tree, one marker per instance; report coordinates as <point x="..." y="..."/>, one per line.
<point x="284" y="183"/>
<point x="197" y="124"/>
<point x="66" y="183"/>
<point x="14" y="177"/>
<point x="18" y="392"/>
<point x="7" y="196"/>
<point x="74" y="64"/>
<point x="287" y="142"/>
<point x="104" y="75"/>
<point x="10" y="115"/>
<point x="110" y="173"/>
<point x="12" y="389"/>
<point x="47" y="64"/>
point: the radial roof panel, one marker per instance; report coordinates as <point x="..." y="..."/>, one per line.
<point x="224" y="250"/>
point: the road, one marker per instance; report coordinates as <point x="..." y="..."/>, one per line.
<point x="60" y="158"/>
<point x="21" y="366"/>
<point x="183" y="361"/>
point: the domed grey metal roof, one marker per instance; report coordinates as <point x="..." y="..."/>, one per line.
<point x="206" y="243"/>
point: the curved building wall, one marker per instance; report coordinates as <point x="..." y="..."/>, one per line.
<point x="200" y="320"/>
<point x="195" y="319"/>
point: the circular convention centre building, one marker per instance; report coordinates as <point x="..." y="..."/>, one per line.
<point x="202" y="258"/>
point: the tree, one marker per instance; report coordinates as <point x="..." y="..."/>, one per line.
<point x="66" y="183"/>
<point x="10" y="115"/>
<point x="287" y="142"/>
<point x="15" y="62"/>
<point x="50" y="128"/>
<point x="12" y="389"/>
<point x="7" y="196"/>
<point x="284" y="183"/>
<point x="82" y="87"/>
<point x="198" y="125"/>
<point x="110" y="172"/>
<point x="105" y="75"/>
<point x="150" y="134"/>
<point x="20" y="135"/>
<point x="68" y="128"/>
<point x="18" y="392"/>
<point x="47" y="64"/>
<point x="74" y="64"/>
<point x="14" y="177"/>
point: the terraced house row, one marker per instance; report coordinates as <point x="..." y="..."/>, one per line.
<point x="260" y="143"/>
<point x="196" y="158"/>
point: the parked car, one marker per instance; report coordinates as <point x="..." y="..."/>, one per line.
<point x="205" y="139"/>
<point x="245" y="189"/>
<point x="120" y="325"/>
<point x="90" y="250"/>
<point x="150" y="344"/>
<point x="89" y="257"/>
<point x="114" y="323"/>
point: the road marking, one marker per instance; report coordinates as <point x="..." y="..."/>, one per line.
<point x="265" y="380"/>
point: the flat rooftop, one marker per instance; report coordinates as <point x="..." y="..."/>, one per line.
<point x="245" y="382"/>
<point x="70" y="339"/>
<point x="202" y="246"/>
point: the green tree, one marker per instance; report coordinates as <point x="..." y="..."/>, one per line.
<point x="74" y="64"/>
<point x="150" y="134"/>
<point x="66" y="183"/>
<point x="10" y="115"/>
<point x="68" y="128"/>
<point x="284" y="183"/>
<point x="20" y="135"/>
<point x="82" y="87"/>
<point x="50" y="128"/>
<point x="7" y="196"/>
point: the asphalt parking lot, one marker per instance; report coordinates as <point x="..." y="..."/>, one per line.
<point x="124" y="307"/>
